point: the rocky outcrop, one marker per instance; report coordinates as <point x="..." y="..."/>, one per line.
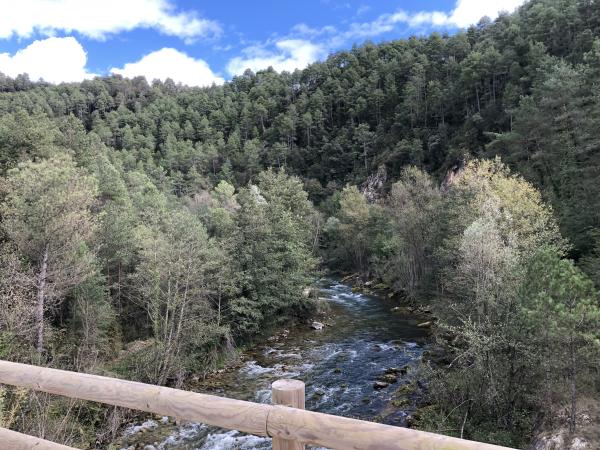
<point x="556" y="435"/>
<point x="372" y="189"/>
<point x="317" y="326"/>
<point x="560" y="441"/>
<point x="452" y="175"/>
<point x="380" y="385"/>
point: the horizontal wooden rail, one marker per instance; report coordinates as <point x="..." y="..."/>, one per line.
<point x="17" y="441"/>
<point x="276" y="421"/>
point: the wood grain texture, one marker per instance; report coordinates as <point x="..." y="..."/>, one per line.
<point x="276" y="421"/>
<point x="222" y="412"/>
<point x="11" y="440"/>
<point x="341" y="433"/>
<point x="288" y="393"/>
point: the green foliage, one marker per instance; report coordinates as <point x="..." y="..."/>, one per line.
<point x="561" y="309"/>
<point x="165" y="220"/>
<point x="94" y="333"/>
<point x="522" y="87"/>
<point x="413" y="209"/>
<point x="523" y="322"/>
<point x="272" y="253"/>
<point x="47" y="203"/>
<point x="349" y="233"/>
<point x="47" y="217"/>
<point x="172" y="280"/>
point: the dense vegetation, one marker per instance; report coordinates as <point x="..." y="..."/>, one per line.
<point x="519" y="323"/>
<point x="149" y="229"/>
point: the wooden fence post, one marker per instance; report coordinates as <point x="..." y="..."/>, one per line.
<point x="288" y="393"/>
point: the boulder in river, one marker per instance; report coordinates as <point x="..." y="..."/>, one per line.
<point x="397" y="370"/>
<point x="404" y="310"/>
<point x="388" y="378"/>
<point x="380" y="385"/>
<point x="317" y="326"/>
<point x="319" y="393"/>
<point x="348" y="278"/>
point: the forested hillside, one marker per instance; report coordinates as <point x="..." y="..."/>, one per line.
<point x="150" y="229"/>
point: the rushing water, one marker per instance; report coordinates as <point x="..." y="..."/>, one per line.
<point x="339" y="365"/>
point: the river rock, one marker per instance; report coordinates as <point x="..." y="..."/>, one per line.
<point x="388" y="378"/>
<point x="348" y="278"/>
<point x="148" y="425"/>
<point x="405" y="310"/>
<point x="425" y="324"/>
<point x="397" y="370"/>
<point x="380" y="385"/>
<point x="317" y="326"/>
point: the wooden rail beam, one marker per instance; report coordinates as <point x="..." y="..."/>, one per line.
<point x="219" y="411"/>
<point x="11" y="440"/>
<point x="279" y="422"/>
<point x="342" y="433"/>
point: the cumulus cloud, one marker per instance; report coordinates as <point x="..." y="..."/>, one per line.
<point x="468" y="12"/>
<point x="98" y="18"/>
<point x="288" y="55"/>
<point x="465" y="13"/>
<point x="299" y="49"/>
<point x="53" y="59"/>
<point x="170" y="63"/>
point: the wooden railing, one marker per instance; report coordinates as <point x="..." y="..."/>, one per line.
<point x="290" y="426"/>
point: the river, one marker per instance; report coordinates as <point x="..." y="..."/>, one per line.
<point x="339" y="364"/>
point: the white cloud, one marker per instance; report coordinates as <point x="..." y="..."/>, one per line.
<point x="465" y="13"/>
<point x="170" y="63"/>
<point x="53" y="59"/>
<point x="288" y="55"/>
<point x="98" y="18"/>
<point x="299" y="48"/>
<point x="468" y="12"/>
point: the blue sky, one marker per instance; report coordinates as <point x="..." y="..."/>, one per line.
<point x="204" y="42"/>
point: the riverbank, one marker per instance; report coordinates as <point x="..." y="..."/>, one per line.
<point x="363" y="363"/>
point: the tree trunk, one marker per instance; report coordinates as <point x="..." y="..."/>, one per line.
<point x="41" y="295"/>
<point x="573" y="381"/>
